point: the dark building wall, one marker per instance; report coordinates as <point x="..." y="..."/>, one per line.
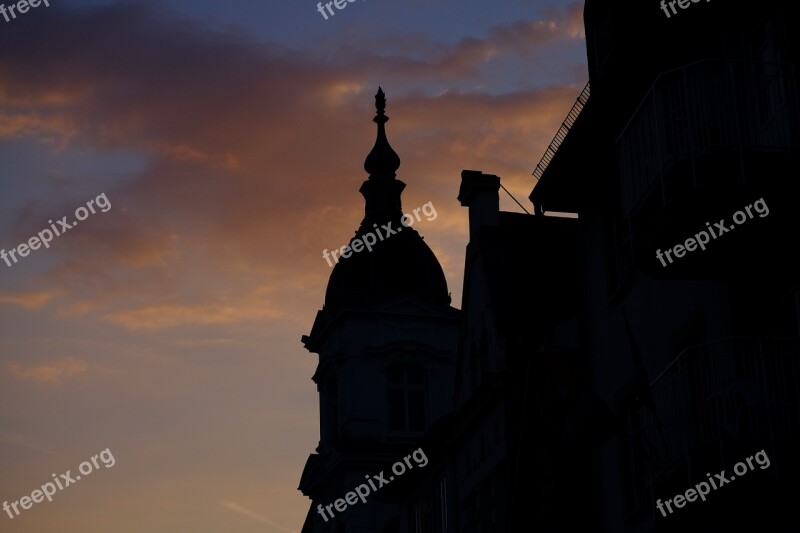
<point x="690" y="119"/>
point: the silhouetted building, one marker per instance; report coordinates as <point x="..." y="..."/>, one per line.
<point x="525" y="422"/>
<point x="691" y="119"/>
<point x="386" y="339"/>
<point x="586" y="379"/>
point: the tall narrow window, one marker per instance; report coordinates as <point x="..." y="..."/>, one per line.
<point x="406" y="397"/>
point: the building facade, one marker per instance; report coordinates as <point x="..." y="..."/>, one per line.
<point x="692" y="120"/>
<point x="603" y="362"/>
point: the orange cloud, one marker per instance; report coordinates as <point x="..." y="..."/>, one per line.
<point x="27" y="300"/>
<point x="151" y="317"/>
<point x="52" y="372"/>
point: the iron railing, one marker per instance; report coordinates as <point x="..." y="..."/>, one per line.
<point x="561" y="134"/>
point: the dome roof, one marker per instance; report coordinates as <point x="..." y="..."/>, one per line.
<point x="400" y="263"/>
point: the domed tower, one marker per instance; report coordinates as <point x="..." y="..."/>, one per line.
<point x="403" y="265"/>
<point x="387" y="340"/>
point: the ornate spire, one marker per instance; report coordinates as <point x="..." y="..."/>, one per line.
<point x="382" y="162"/>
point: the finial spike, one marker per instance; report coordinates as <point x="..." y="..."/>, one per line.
<point x="380" y="101"/>
<point x="382" y="161"/>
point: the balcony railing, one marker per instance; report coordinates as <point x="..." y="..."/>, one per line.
<point x="707" y="107"/>
<point x="561" y="134"/>
<point x="734" y="388"/>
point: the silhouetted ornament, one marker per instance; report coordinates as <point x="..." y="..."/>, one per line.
<point x="382" y="161"/>
<point x="400" y="264"/>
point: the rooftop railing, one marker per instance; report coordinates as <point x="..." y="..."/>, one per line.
<point x="561" y="134"/>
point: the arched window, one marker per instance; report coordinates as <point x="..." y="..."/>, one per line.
<point x="406" y="398"/>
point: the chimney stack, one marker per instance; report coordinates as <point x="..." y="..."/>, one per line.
<point x="480" y="193"/>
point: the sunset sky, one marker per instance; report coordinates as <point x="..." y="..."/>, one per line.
<point x="229" y="138"/>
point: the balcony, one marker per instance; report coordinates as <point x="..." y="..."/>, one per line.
<point x="715" y="395"/>
<point x="706" y="140"/>
<point x="698" y="116"/>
